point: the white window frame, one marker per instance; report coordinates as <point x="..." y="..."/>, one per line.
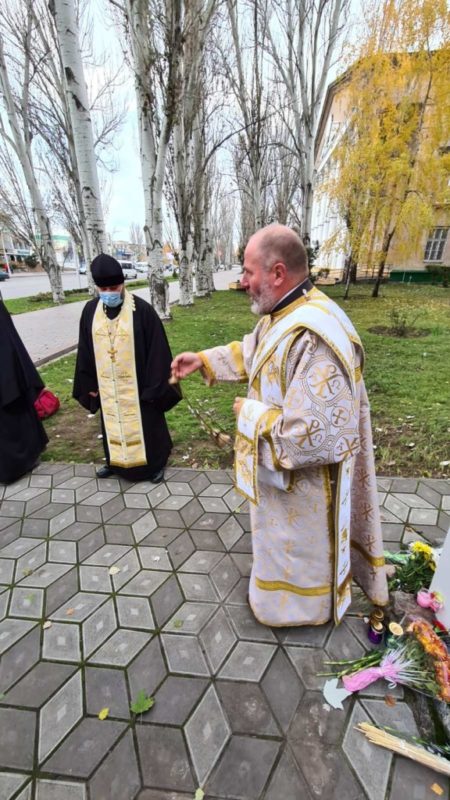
<point x="434" y="248"/>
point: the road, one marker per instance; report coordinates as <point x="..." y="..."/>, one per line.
<point x="50" y="332"/>
<point x="27" y="284"/>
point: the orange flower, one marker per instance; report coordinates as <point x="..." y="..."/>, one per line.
<point x="429" y="640"/>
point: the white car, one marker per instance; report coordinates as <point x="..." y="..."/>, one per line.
<point x="128" y="269"/>
<point x="141" y="266"/>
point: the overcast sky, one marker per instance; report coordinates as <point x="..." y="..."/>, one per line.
<point x="125" y="203"/>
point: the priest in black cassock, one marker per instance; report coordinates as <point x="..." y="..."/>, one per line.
<point x="22" y="435"/>
<point x="123" y="368"/>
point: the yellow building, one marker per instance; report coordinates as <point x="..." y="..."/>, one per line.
<point x="328" y="227"/>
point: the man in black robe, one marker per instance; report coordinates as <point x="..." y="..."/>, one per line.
<point x="123" y="368"/>
<point x="22" y="435"/>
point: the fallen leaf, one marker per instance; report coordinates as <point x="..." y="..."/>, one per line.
<point x="70" y="611"/>
<point x="114" y="570"/>
<point x="177" y="623"/>
<point x="142" y="703"/>
<point x="334" y="695"/>
<point x="199" y="794"/>
<point x="390" y="700"/>
<point x="437" y="789"/>
<point x="27" y="572"/>
<point x="103" y="713"/>
<point x="47" y="624"/>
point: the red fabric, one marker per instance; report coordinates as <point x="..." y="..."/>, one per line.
<point x="46" y="404"/>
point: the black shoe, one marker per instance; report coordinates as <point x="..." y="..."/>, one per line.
<point x="158" y="477"/>
<point x="104" y="472"/>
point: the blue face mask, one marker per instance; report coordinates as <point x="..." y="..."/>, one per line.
<point x="111" y="299"/>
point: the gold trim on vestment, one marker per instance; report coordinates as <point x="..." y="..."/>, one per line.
<point x="341" y="541"/>
<point x="113" y="342"/>
<point x="330" y="516"/>
<point x="283" y="586"/>
<point x="374" y="561"/>
<point x="300" y="301"/>
<point x="206" y="369"/>
<point x="291" y="624"/>
<point x="342" y="588"/>
<point x="320" y="333"/>
<point x="268" y="419"/>
<point x="284" y="359"/>
<point x="236" y="352"/>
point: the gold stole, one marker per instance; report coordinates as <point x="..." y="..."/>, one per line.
<point x="255" y="419"/>
<point x="118" y="387"/>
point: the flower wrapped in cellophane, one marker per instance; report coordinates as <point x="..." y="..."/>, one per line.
<point x="418" y="659"/>
<point x="414" y="568"/>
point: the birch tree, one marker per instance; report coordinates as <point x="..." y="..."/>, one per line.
<point x="18" y="135"/>
<point x="16" y="213"/>
<point x="187" y="135"/>
<point x="246" y="70"/>
<point x="302" y="37"/>
<point x="154" y="32"/>
<point x="83" y="141"/>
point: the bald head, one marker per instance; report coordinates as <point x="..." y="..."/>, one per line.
<point x="278" y="243"/>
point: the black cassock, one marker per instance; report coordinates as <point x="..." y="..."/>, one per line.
<point x="153" y="358"/>
<point x="22" y="434"/>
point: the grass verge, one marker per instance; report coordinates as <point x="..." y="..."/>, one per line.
<point x="20" y="305"/>
<point x="408" y="382"/>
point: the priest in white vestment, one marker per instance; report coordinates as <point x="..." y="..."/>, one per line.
<point x="303" y="450"/>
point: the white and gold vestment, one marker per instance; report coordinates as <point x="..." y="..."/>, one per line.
<point x="304" y="459"/>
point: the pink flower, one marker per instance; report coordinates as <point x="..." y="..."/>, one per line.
<point x="431" y="600"/>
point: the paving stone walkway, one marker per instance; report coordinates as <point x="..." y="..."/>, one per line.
<point x="145" y="588"/>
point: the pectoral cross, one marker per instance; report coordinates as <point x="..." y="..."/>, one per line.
<point x="112" y="353"/>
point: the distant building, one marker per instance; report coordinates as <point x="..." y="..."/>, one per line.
<point x="327" y="224"/>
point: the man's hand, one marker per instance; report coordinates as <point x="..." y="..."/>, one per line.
<point x="93" y="394"/>
<point x="184" y="364"/>
<point x="237" y="405"/>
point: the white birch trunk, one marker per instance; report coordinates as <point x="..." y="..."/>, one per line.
<point x="201" y="276"/>
<point x="186" y="279"/>
<point x="209" y="261"/>
<point x="68" y="37"/>
<point x="153" y="151"/>
<point x="302" y="56"/>
<point x="47" y="254"/>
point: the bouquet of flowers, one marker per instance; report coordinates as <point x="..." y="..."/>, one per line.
<point x="414" y="568"/>
<point x="418" y="659"/>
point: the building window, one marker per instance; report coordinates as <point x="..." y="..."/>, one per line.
<point x="435" y="244"/>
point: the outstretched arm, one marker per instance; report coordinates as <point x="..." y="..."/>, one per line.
<point x="184" y="364"/>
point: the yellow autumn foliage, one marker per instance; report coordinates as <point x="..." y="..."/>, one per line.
<point x="391" y="168"/>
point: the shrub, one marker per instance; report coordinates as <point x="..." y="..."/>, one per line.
<point x="402" y="320"/>
<point x="440" y="274"/>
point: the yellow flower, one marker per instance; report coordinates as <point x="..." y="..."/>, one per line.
<point x="419" y="548"/>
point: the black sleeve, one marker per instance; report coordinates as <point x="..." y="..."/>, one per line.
<point x="158" y="357"/>
<point x="85" y="378"/>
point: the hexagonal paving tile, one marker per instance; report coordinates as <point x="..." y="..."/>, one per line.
<point x="146" y="590"/>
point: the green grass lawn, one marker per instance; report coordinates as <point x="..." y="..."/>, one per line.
<point x="408" y="380"/>
<point x="19" y="305"/>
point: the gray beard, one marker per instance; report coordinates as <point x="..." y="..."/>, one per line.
<point x="263" y="303"/>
